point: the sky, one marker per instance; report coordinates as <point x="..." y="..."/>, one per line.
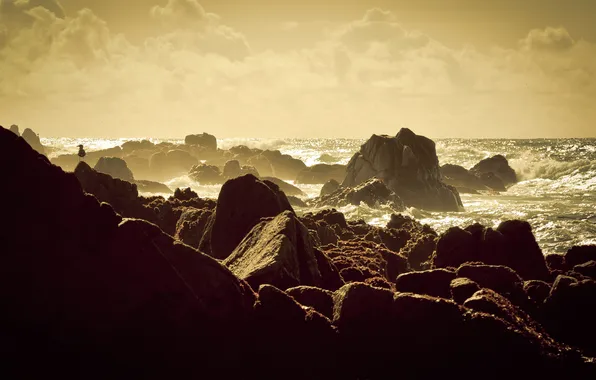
<point x="311" y="68"/>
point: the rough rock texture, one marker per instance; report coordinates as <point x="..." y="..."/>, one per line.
<point x="191" y="225"/>
<point x="463" y="288"/>
<point x="497" y="165"/>
<point x="33" y="140"/>
<point x="144" y="186"/>
<point x="115" y="167"/>
<point x="282" y="166"/>
<point x="321" y="173"/>
<point x="434" y="282"/>
<point x="462" y="178"/>
<point x="204" y="140"/>
<point x="329" y="187"/>
<point x="408" y="164"/>
<point x="206" y="174"/>
<point x="242" y="202"/>
<point x="319" y="299"/>
<point x="501" y="279"/>
<point x="512" y="245"/>
<point x="373" y="193"/>
<point x="232" y="169"/>
<point x="579" y="255"/>
<point x="284" y="186"/>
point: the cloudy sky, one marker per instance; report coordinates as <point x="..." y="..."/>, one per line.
<point x="311" y="68"/>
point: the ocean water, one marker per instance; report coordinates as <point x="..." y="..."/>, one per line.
<point x="556" y="192"/>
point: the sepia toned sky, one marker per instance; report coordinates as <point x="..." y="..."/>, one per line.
<point x="310" y="68"/>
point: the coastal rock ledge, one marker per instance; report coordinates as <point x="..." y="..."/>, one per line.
<point x="408" y="165"/>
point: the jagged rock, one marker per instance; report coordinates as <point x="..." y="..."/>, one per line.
<point x="15" y="129"/>
<point x="204" y="140"/>
<point x="501" y="279"/>
<point x="434" y="282"/>
<point x="286" y="187"/>
<point x="463" y="288"/>
<point x="206" y="174"/>
<point x="321" y="173"/>
<point x="277" y="252"/>
<point x="185" y="194"/>
<point x="242" y="202"/>
<point x="191" y="225"/>
<point x="171" y="163"/>
<point x="329" y="187"/>
<point x="492" y="181"/>
<point x="33" y="140"/>
<point x="579" y="255"/>
<point x="144" y="186"/>
<point x="555" y="261"/>
<point x="462" y="178"/>
<point x="319" y="299"/>
<point x="408" y="164"/>
<point x="115" y="167"/>
<point x="497" y="165"/>
<point x="373" y="193"/>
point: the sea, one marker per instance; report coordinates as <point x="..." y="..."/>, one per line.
<point x="556" y="192"/>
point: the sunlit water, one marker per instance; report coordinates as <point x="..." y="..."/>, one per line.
<point x="556" y="192"/>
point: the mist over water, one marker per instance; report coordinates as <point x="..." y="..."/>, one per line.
<point x="556" y="192"/>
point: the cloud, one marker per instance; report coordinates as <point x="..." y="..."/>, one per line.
<point x="548" y="39"/>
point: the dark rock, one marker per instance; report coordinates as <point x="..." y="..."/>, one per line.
<point x="33" y="140"/>
<point x="283" y="166"/>
<point x="373" y="193"/>
<point x="460" y="177"/>
<point x="185" y="194"/>
<point x="296" y="202"/>
<point x="321" y="173"/>
<point x="408" y="164"/>
<point x="497" y="165"/>
<point x="191" y="225"/>
<point x="555" y="261"/>
<point x="133" y="145"/>
<point x="537" y="290"/>
<point x="492" y="181"/>
<point x="463" y="288"/>
<point x="204" y="140"/>
<point x="144" y="186"/>
<point x="501" y="279"/>
<point x="242" y="202"/>
<point x="115" y="167"/>
<point x="232" y="169"/>
<point x="15" y="129"/>
<point x="587" y="269"/>
<point x="286" y="187"/>
<point x="329" y="187"/>
<point x="69" y="162"/>
<point x="579" y="255"/>
<point x="319" y="299"/>
<point x="455" y="247"/>
<point x="206" y="174"/>
<point x="434" y="282"/>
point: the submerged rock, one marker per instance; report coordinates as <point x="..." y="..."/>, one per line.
<point x="408" y="165"/>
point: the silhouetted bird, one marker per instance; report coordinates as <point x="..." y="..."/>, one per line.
<point x="82" y="153"/>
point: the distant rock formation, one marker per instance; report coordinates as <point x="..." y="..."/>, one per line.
<point x="115" y="167"/>
<point x="497" y="165"/>
<point x="15" y="129"/>
<point x="204" y="140"/>
<point x="33" y="139"/>
<point x="321" y="173"/>
<point x="492" y="173"/>
<point x="408" y="165"/>
<point x="373" y="193"/>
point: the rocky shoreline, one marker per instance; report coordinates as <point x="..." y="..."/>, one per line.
<point x="98" y="281"/>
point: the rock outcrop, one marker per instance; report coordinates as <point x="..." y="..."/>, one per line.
<point x="204" y="140"/>
<point x="465" y="181"/>
<point x="497" y="165"/>
<point x="171" y="163"/>
<point x="373" y="193"/>
<point x="408" y="165"/>
<point x="115" y="167"/>
<point x="321" y="173"/>
<point x="33" y="140"/>
<point x="329" y="187"/>
<point x="14" y="129"/>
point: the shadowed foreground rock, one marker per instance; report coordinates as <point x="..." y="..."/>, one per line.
<point x="88" y="294"/>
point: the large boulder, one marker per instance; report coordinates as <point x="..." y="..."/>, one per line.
<point x="284" y="186"/>
<point x="15" y="129"/>
<point x="204" y="140"/>
<point x="242" y="202"/>
<point x="434" y="282"/>
<point x="373" y="193"/>
<point x="408" y="164"/>
<point x="321" y="173"/>
<point x="115" y="167"/>
<point x="282" y="166"/>
<point x="462" y="178"/>
<point x="276" y="251"/>
<point x="329" y="187"/>
<point x="33" y="140"/>
<point x="206" y="174"/>
<point x="497" y="165"/>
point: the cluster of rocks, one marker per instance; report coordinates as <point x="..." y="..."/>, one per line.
<point x="96" y="277"/>
<point x="493" y="173"/>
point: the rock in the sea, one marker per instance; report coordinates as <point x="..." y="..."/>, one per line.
<point x="296" y="202"/>
<point x="191" y="225"/>
<point x="232" y="169"/>
<point x="284" y="186"/>
<point x="115" y="167"/>
<point x="329" y="187"/>
<point x="33" y="140"/>
<point x="321" y="173"/>
<point x="242" y="202"/>
<point x="462" y="178"/>
<point x="277" y="252"/>
<point x="171" y="163"/>
<point x="144" y="186"/>
<point x="282" y="166"/>
<point x="373" y="193"/>
<point x="497" y="165"/>
<point x="69" y="162"/>
<point x="587" y="269"/>
<point x="204" y="140"/>
<point x="408" y="165"/>
<point x="206" y="174"/>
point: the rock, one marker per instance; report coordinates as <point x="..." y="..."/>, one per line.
<point x="455" y="247"/>
<point x="277" y="252"/>
<point x="501" y="279"/>
<point x="460" y="177"/>
<point x="283" y="166"/>
<point x="286" y="187"/>
<point x="171" y="164"/>
<point x="185" y="194"/>
<point x="492" y="181"/>
<point x="33" y="140"/>
<point x="134" y="145"/>
<point x="144" y="186"/>
<point x="232" y="169"/>
<point x="242" y="202"/>
<point x="115" y="167"/>
<point x="204" y="140"/>
<point x="497" y="165"/>
<point x="321" y="173"/>
<point x="434" y="282"/>
<point x="15" y="129"/>
<point x="373" y="193"/>
<point x="296" y="202"/>
<point x="587" y="269"/>
<point x="262" y="164"/>
<point x="537" y="290"/>
<point x="69" y="162"/>
<point x="329" y="187"/>
<point x="579" y="255"/>
<point x="408" y="165"/>
<point x="319" y="299"/>
<point x="555" y="261"/>
<point x="206" y="174"/>
<point x="463" y="288"/>
<point x="191" y="225"/>
<point x="327" y="159"/>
